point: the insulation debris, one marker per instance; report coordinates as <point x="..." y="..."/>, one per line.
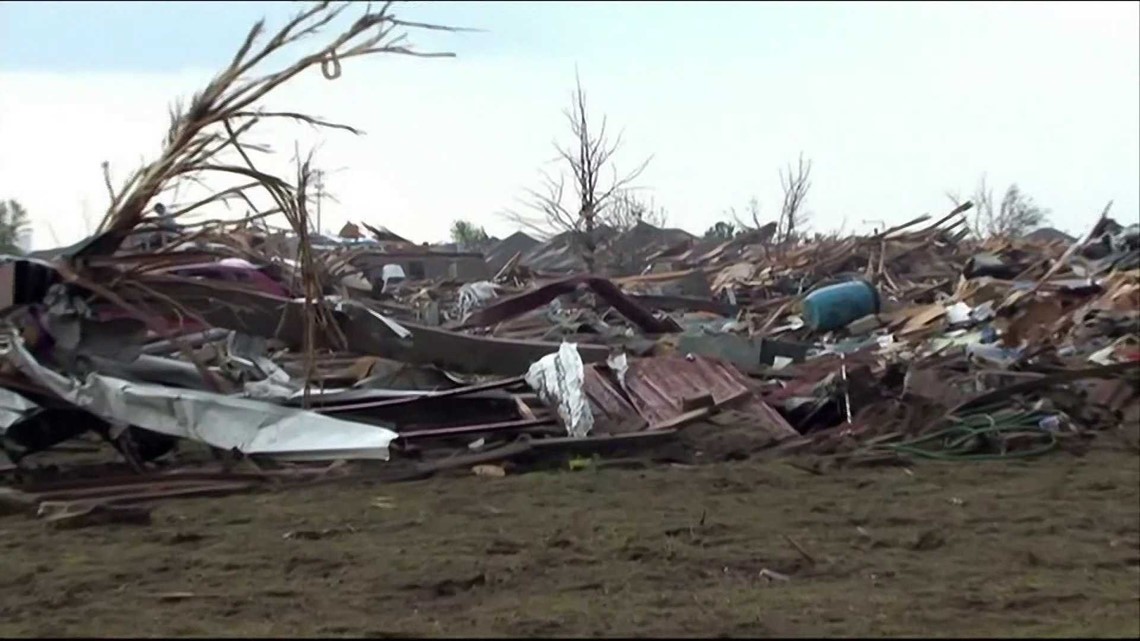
<point x="559" y="379"/>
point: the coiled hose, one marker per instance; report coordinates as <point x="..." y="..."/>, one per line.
<point x="963" y="439"/>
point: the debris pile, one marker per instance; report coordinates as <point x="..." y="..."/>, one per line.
<point x="284" y="353"/>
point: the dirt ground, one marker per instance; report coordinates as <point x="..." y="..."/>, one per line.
<point x="1018" y="548"/>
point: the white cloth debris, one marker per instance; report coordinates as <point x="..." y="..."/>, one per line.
<point x="559" y="379"/>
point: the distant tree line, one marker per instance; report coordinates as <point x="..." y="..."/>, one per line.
<point x="13" y="222"/>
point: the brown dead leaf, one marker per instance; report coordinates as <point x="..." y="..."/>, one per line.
<point x="489" y="471"/>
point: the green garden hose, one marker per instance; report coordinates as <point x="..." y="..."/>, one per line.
<point x="961" y="441"/>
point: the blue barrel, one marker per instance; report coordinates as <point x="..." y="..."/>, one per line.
<point x="835" y="306"/>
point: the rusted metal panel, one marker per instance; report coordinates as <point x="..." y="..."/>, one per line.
<point x="612" y="413"/>
<point x="768" y="418"/>
<point x="659" y="386"/>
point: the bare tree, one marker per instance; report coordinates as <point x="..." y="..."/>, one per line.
<point x="627" y="210"/>
<point x="585" y="161"/>
<point x="722" y="230"/>
<point x="756" y="231"/>
<point x="795" y="183"/>
<point x="1016" y="214"/>
<point x="753" y="212"/>
<point x="203" y="133"/>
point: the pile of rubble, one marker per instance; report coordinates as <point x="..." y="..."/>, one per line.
<point x="289" y="355"/>
<point x="900" y="345"/>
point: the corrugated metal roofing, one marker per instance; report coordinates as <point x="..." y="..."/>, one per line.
<point x="658" y="387"/>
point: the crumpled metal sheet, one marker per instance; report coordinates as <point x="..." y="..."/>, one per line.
<point x="251" y="427"/>
<point x="150" y="369"/>
<point x="245" y="359"/>
<point x="276" y="386"/>
<point x="559" y="380"/>
<point x="74" y="328"/>
<point x="14" y="408"/>
<point x="341" y="304"/>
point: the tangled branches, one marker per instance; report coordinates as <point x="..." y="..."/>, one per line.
<point x="226" y="108"/>
<point x="214" y="122"/>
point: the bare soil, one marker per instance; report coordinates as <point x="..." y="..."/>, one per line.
<point x="1015" y="548"/>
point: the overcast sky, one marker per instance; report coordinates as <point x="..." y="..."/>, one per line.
<point x="895" y="103"/>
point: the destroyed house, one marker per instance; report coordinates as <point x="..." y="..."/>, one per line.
<point x="630" y="252"/>
<point x="150" y="238"/>
<point x="506" y="249"/>
<point x="425" y="264"/>
<point x="1049" y="235"/>
<point x="562" y="254"/>
<point x="617" y="253"/>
